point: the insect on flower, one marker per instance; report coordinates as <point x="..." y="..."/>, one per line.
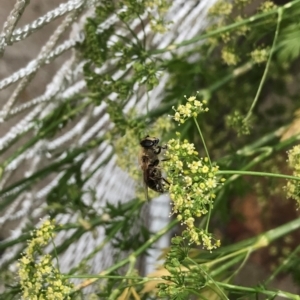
<point x="149" y="163"/>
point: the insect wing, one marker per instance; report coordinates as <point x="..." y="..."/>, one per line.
<point x="146" y="190"/>
<point x="145" y="180"/>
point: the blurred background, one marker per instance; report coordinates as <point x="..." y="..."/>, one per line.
<point x="57" y="159"/>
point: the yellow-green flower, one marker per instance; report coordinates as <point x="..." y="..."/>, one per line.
<point x="39" y="278"/>
<point x="192" y="190"/>
<point x="293" y="186"/>
<point x="205" y="169"/>
<point x="192" y="108"/>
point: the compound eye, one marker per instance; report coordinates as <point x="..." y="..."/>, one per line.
<point x="149" y="142"/>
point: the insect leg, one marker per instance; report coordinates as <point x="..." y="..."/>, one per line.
<point x="158" y="149"/>
<point x="154" y="164"/>
<point x="165" y="180"/>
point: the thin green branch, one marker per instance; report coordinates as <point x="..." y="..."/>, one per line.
<point x="121" y="277"/>
<point x="202" y="139"/>
<point x="220" y="292"/>
<point x="263" y="79"/>
<point x="257" y="290"/>
<point x="263" y="174"/>
<point x="252" y="244"/>
<point x="282" y="266"/>
<point x="207" y="154"/>
<point x="118" y="289"/>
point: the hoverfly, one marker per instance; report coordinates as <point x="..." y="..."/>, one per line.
<point x="149" y="162"/>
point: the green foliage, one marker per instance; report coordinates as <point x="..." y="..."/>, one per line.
<point x="126" y="217"/>
<point x="289" y="44"/>
<point x="66" y="197"/>
<point x="184" y="279"/>
<point x="126" y="50"/>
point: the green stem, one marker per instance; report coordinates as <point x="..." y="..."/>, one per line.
<point x="282" y="266"/>
<point x="97" y="276"/>
<point x="203" y="141"/>
<point x="207" y="154"/>
<point x="118" y="290"/>
<point x="207" y="275"/>
<point x="252" y="173"/>
<point x="255" y="243"/>
<point x="263" y="79"/>
<point x="244" y="289"/>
